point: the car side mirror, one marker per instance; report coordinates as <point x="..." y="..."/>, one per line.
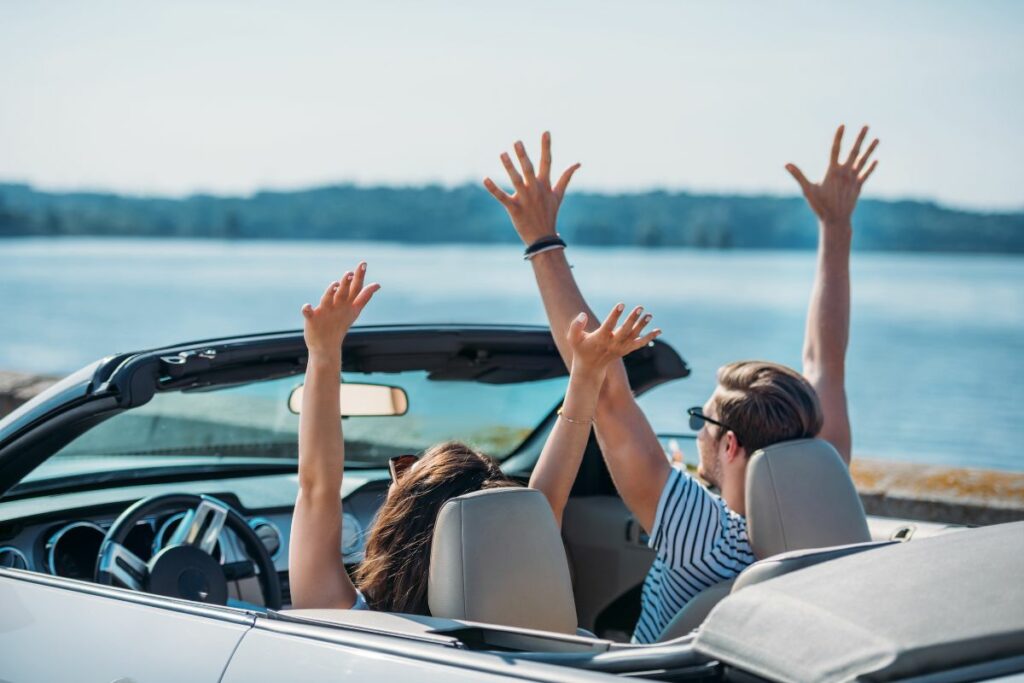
<point x="361" y="400"/>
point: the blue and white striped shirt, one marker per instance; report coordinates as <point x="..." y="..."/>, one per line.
<point x="698" y="542"/>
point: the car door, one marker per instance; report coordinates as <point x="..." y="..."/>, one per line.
<point x="277" y="650"/>
<point x="608" y="553"/>
<point x="54" y="629"/>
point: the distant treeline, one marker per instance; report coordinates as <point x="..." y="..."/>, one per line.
<point x="468" y="214"/>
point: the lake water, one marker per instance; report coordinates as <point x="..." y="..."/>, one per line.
<point x="935" y="365"/>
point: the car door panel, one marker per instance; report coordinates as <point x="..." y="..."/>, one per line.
<point x="268" y="656"/>
<point x="607" y="551"/>
<point x="63" y="630"/>
<point x="283" y="649"/>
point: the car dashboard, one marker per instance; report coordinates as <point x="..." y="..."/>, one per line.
<point x="60" y="534"/>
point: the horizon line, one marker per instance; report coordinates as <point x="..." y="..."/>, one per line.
<point x="448" y="186"/>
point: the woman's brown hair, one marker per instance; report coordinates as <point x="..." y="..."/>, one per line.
<point x="393" y="575"/>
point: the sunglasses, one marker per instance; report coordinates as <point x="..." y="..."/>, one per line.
<point x="698" y="418"/>
<point x="398" y="464"/>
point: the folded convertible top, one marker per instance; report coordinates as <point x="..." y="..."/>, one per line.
<point x="928" y="605"/>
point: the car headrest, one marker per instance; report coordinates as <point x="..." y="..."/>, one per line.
<point x="799" y="495"/>
<point x="497" y="557"/>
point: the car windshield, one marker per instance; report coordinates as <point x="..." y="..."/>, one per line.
<point x="253" y="421"/>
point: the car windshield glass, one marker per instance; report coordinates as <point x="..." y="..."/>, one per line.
<point x="253" y="421"/>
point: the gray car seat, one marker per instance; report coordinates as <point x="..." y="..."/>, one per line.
<point x="799" y="495"/>
<point x="497" y="557"/>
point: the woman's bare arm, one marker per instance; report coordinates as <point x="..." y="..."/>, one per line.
<point x="592" y="354"/>
<point x="316" y="569"/>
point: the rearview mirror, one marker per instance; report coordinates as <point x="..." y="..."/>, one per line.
<point x="361" y="400"/>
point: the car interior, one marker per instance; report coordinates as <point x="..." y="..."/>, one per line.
<point x="196" y="445"/>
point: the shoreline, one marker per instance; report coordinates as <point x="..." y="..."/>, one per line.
<point x="922" y="492"/>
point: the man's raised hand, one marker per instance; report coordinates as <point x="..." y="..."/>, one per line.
<point x="593" y="351"/>
<point x="533" y="206"/>
<point x="326" y="325"/>
<point x="834" y="198"/>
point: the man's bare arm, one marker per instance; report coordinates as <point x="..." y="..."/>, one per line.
<point x="593" y="352"/>
<point x="828" y="317"/>
<point x="631" y="449"/>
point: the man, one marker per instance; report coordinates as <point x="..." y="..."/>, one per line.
<point x="700" y="538"/>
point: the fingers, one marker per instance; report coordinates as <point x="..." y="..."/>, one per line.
<point x="646" y="339"/>
<point x="513" y="174"/>
<point x="867" y="155"/>
<point x="329" y="293"/>
<point x="364" y="296"/>
<point x="524" y="162"/>
<point x="805" y="185"/>
<point x="836" y="143"/>
<point x="613" y="318"/>
<point x="866" y="174"/>
<point x="544" y="173"/>
<point x="307" y="311"/>
<point x="498" y="193"/>
<point x="343" y="288"/>
<point x="639" y="326"/>
<point x="577" y="329"/>
<point x="357" y="281"/>
<point x="631" y="329"/>
<point x="627" y="331"/>
<point x="563" y="182"/>
<point x="856" y="146"/>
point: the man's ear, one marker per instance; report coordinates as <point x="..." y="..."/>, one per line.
<point x="733" y="449"/>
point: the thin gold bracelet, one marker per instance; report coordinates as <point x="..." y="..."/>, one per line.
<point x="575" y="422"/>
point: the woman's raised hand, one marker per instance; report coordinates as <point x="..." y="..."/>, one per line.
<point x="593" y="351"/>
<point x="835" y="197"/>
<point x="533" y="207"/>
<point x="326" y="325"/>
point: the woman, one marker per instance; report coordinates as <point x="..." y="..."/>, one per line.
<point x="393" y="575"/>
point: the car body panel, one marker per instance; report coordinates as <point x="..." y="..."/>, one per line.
<point x="312" y="654"/>
<point x="64" y="630"/>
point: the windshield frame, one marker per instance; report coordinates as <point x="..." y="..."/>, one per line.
<point x="484" y="353"/>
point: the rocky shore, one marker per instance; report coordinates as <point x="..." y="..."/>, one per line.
<point x="930" y="493"/>
<point x="18" y="387"/>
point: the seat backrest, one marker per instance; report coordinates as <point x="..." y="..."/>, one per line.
<point x="497" y="557"/>
<point x="695" y="611"/>
<point x="799" y="495"/>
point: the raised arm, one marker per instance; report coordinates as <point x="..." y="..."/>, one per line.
<point x="316" y="569"/>
<point x="631" y="449"/>
<point x="592" y="353"/>
<point x="828" y="317"/>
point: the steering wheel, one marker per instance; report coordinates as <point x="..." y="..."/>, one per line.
<point x="185" y="568"/>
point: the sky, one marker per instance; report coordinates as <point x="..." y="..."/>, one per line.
<point x="232" y="97"/>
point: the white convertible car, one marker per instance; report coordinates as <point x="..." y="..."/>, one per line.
<point x="145" y="505"/>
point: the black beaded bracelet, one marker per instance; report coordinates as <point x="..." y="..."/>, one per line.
<point x="543" y="244"/>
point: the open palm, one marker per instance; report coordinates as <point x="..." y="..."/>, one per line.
<point x="533" y="207"/>
<point x="327" y="323"/>
<point x="834" y="198"/>
<point x="593" y="351"/>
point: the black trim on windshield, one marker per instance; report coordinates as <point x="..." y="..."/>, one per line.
<point x="147" y="475"/>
